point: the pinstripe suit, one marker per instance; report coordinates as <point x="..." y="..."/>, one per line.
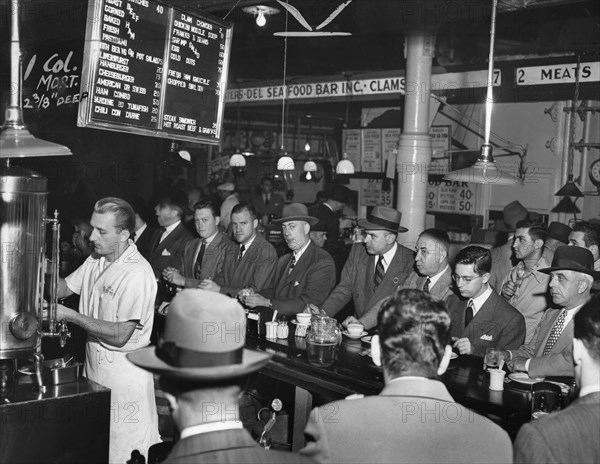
<point x="212" y="261"/>
<point x="570" y="435"/>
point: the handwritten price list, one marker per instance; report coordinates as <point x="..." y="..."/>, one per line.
<point x="451" y="197"/>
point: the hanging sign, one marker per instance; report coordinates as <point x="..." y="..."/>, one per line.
<point x="374" y="195"/>
<point x="558" y="74"/>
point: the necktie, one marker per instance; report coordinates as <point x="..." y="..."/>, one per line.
<point x="292" y="263"/>
<point x="469" y="312"/>
<point x="557" y="329"/>
<point x="379" y="272"/>
<point x="160" y="237"/>
<point x="241" y="254"/>
<point x="267" y="199"/>
<point x="198" y="264"/>
<point x="426" y="285"/>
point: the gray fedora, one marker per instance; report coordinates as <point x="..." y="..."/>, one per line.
<point x="296" y="212"/>
<point x="383" y="218"/>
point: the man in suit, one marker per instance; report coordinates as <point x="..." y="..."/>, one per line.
<point x="482" y="319"/>
<point x="550" y="351"/>
<point x="304" y="276"/>
<point x="252" y="264"/>
<point x="525" y="287"/>
<point x="502" y="256"/>
<point x="374" y="268"/>
<point x="143" y="235"/>
<point x="267" y="203"/>
<point x="203" y="257"/>
<point x="169" y="241"/>
<point x="571" y="435"/>
<point x="203" y="368"/>
<point x="433" y="274"/>
<point x="414" y="418"/>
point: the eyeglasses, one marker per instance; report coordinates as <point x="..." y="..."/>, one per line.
<point x="466" y="280"/>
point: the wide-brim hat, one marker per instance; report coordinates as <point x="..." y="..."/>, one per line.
<point x="383" y="218"/>
<point x="572" y="258"/>
<point x="339" y="193"/>
<point x="178" y="199"/>
<point x="559" y="231"/>
<point x="511" y="214"/>
<point x="296" y="212"/>
<point x="203" y="340"/>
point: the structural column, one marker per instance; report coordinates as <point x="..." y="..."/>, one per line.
<point x="414" y="150"/>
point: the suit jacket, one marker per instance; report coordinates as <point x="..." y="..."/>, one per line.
<point x="144" y="241"/>
<point x="310" y="281"/>
<point x="441" y="290"/>
<point x="502" y="262"/>
<point x="357" y="283"/>
<point x="328" y="218"/>
<point x="406" y="422"/>
<point x="256" y="269"/>
<point x="496" y="325"/>
<point x="570" y="435"/>
<point x="212" y="261"/>
<point x="227" y="446"/>
<point x="275" y="205"/>
<point x="560" y="359"/>
<point x="170" y="251"/>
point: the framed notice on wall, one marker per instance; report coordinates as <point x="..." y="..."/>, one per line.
<point x="352" y="146"/>
<point x="451" y="197"/>
<point x="371" y="150"/>
<point x="372" y="193"/>
<point x="154" y="70"/>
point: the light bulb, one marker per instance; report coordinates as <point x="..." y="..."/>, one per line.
<point x="261" y="20"/>
<point x="307" y="146"/>
<point x="308" y="176"/>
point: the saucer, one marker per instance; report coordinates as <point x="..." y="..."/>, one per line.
<point x="453" y="355"/>
<point x="522" y="377"/>
<point x="366" y="339"/>
<point x="295" y="322"/>
<point x="355" y="337"/>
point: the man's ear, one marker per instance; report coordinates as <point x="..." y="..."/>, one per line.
<point x="445" y="360"/>
<point x="124" y="234"/>
<point x="376" y="350"/>
<point x="577" y="351"/>
<point x="538" y="244"/>
<point x="485" y="277"/>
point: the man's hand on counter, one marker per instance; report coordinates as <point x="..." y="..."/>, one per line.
<point x="209" y="285"/>
<point x="173" y="276"/>
<point x="463" y="345"/>
<point x="256" y="299"/>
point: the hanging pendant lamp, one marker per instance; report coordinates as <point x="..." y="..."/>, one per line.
<point x="345" y="166"/>
<point x="485" y="170"/>
<point x="285" y="162"/>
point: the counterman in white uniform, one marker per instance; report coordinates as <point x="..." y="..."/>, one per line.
<point x="117" y="289"/>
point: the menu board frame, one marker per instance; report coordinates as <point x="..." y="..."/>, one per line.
<point x="91" y="63"/>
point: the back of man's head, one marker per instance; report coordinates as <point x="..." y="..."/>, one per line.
<point x="587" y="327"/>
<point x="414" y="330"/>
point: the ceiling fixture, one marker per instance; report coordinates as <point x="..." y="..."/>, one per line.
<point x="310" y="32"/>
<point x="260" y="12"/>
<point x="345" y="166"/>
<point x="570" y="189"/>
<point x="285" y="162"/>
<point x="16" y="141"/>
<point x="485" y="170"/>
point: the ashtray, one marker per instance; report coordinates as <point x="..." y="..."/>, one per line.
<point x="57" y="371"/>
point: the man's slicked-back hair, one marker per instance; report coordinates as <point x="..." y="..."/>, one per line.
<point x="241" y="207"/>
<point x="207" y="204"/>
<point x="123" y="212"/>
<point x="587" y="327"/>
<point x="480" y="257"/>
<point x="414" y="330"/>
<point x="439" y="236"/>
<point x="536" y="231"/>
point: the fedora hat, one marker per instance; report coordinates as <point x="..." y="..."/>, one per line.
<point x="203" y="341"/>
<point x="383" y="218"/>
<point x="572" y="258"/>
<point x="559" y="231"/>
<point x="296" y="212"/>
<point x="339" y="193"/>
<point x="511" y="214"/>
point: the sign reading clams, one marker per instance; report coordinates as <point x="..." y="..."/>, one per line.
<point x="154" y="70"/>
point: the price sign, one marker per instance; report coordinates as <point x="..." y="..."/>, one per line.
<point x="374" y="195"/>
<point x="451" y="197"/>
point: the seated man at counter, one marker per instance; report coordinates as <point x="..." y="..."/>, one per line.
<point x="587" y="235"/>
<point x="169" y="241"/>
<point x="252" y="265"/>
<point x="373" y="269"/>
<point x="304" y="276"/>
<point x="116" y="308"/>
<point x="571" y="435"/>
<point x="203" y="378"/>
<point x="525" y="287"/>
<point x="550" y="351"/>
<point x="406" y="421"/>
<point x="481" y="319"/>
<point x="203" y="257"/>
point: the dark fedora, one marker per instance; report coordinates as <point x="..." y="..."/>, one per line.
<point x="383" y="218"/>
<point x="203" y="341"/>
<point x="339" y="193"/>
<point x="511" y="214"/>
<point x="296" y="212"/>
<point x="559" y="231"/>
<point x="572" y="258"/>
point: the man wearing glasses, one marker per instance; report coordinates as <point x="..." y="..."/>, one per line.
<point x="481" y="319"/>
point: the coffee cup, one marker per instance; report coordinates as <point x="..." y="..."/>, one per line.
<point x="355" y="329"/>
<point x="303" y="318"/>
<point x="496" y="379"/>
<point x="271" y="329"/>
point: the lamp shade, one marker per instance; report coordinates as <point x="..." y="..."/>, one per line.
<point x="484" y="171"/>
<point x="237" y="160"/>
<point x="310" y="166"/>
<point x="569" y="189"/>
<point x="344" y="166"/>
<point x="285" y="163"/>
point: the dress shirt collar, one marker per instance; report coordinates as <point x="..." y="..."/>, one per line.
<point x="210" y="427"/>
<point x="540" y="264"/>
<point x="210" y="239"/>
<point x="300" y="252"/>
<point x="481" y="299"/>
<point x="387" y="257"/>
<point x="247" y="245"/>
<point x="589" y="389"/>
<point x="328" y="205"/>
<point x="168" y="230"/>
<point x="140" y="231"/>
<point x="435" y="278"/>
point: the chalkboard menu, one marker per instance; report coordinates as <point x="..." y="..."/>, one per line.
<point x="152" y="69"/>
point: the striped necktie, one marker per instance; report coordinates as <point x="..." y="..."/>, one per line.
<point x="426" y="285"/>
<point x="469" y="312"/>
<point x="379" y="272"/>
<point x="198" y="264"/>
<point x="241" y="254"/>
<point x="557" y="329"/>
<point x="292" y="264"/>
